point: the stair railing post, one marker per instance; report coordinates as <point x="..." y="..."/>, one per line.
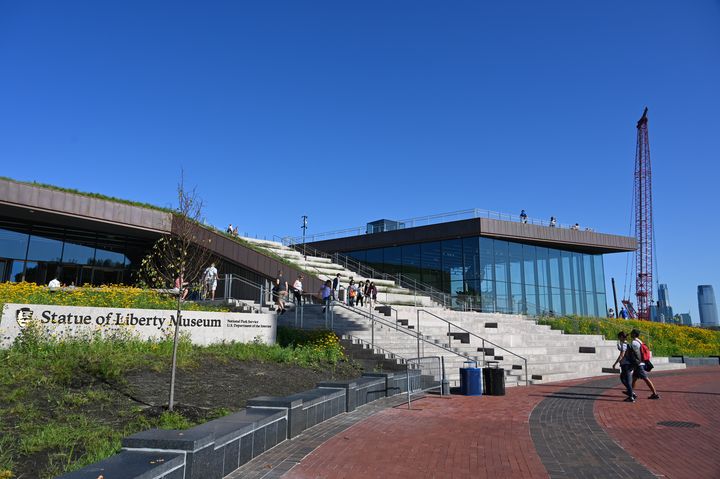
<point x="372" y="331"/>
<point x="302" y="313"/>
<point x="483" y="351"/>
<point x="417" y="332"/>
<point x="296" y="317"/>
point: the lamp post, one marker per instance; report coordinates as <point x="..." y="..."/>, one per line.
<point x="304" y="228"/>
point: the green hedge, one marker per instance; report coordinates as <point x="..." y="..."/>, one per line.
<point x="662" y="339"/>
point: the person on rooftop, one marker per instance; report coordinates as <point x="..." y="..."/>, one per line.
<point x="553" y="222"/>
<point x="523" y="217"/>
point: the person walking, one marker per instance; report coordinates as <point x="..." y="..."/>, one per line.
<point x="210" y="280"/>
<point x="282" y="288"/>
<point x="298" y="290"/>
<point x="360" y="295"/>
<point x="372" y="294"/>
<point x="523" y="217"/>
<point x="626" y="371"/>
<point x="336" y="287"/>
<point x="642" y="368"/>
<point x="326" y="292"/>
<point x="553" y="222"/>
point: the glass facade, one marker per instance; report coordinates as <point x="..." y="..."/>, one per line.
<point x="486" y="274"/>
<point x="39" y="253"/>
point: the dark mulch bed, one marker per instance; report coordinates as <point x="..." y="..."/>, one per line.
<point x="200" y="392"/>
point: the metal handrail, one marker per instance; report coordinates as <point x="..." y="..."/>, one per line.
<point x="423" y="221"/>
<point x="484" y="340"/>
<point x="384" y="322"/>
<point x="230" y="277"/>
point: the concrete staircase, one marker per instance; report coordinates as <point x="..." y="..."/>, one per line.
<point x="502" y="338"/>
<point x="324" y="269"/>
<point x="551" y="355"/>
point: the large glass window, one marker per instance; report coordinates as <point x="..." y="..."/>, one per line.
<point x="16" y="271"/>
<point x="471" y="258"/>
<point x="542" y="266"/>
<point x="78" y="254"/>
<point x="503" y="276"/>
<point x="392" y="259"/>
<point x="13" y="244"/>
<point x="501" y="260"/>
<point x="554" y="261"/>
<point x="374" y="258"/>
<point x="109" y="259"/>
<point x="515" y="254"/>
<point x="588" y="270"/>
<point x="452" y="264"/>
<point x="411" y="261"/>
<point x="567" y="277"/>
<point x="44" y="249"/>
<point x="487" y="259"/>
<point x="431" y="255"/>
<point x="599" y="274"/>
<point x="502" y="297"/>
<point x="529" y="264"/>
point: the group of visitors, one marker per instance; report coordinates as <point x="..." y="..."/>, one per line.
<point x="359" y="294"/>
<point x="552" y="223"/>
<point x="232" y="231"/>
<point x="635" y="363"/>
<point x="206" y="289"/>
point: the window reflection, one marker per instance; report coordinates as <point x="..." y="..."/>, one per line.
<point x="496" y="275"/>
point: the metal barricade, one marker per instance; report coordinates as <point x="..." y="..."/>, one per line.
<point x="425" y="374"/>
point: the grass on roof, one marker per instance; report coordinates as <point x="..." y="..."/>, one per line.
<point x="90" y="195"/>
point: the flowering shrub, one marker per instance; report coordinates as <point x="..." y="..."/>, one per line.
<point x="662" y="339"/>
<point x="103" y="296"/>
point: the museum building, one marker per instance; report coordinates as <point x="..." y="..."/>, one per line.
<point x="492" y="262"/>
<point x="485" y="263"/>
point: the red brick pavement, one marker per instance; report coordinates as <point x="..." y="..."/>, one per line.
<point x="692" y="395"/>
<point x="459" y="437"/>
<point x="477" y="437"/>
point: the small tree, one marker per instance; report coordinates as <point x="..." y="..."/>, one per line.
<point x="180" y="256"/>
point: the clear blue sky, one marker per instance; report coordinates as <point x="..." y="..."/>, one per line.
<point x="358" y="110"/>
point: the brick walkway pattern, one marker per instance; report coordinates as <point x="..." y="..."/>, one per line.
<point x="689" y="396"/>
<point x="573" y="429"/>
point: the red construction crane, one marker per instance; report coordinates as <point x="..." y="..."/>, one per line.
<point x="644" y="265"/>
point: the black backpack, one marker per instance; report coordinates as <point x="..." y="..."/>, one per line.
<point x="631" y="356"/>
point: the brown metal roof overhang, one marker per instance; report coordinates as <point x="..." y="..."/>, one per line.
<point x="571" y="240"/>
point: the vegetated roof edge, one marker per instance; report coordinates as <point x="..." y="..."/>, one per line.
<point x="99" y="196"/>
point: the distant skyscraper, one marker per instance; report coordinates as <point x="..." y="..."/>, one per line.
<point x="707" y="306"/>
<point x="685" y="319"/>
<point x="662" y="312"/>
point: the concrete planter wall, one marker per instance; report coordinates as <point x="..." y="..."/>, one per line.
<point x="216" y="448"/>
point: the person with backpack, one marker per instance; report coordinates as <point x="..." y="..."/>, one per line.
<point x="626" y="370"/>
<point x="352" y="293"/>
<point x="644" y="365"/>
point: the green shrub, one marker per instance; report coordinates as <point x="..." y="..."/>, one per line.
<point x="662" y="339"/>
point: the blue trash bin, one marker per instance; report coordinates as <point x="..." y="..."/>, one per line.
<point x="470" y="379"/>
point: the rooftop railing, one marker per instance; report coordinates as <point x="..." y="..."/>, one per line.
<point x="421" y="221"/>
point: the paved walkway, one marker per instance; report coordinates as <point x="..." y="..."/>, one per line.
<point x="562" y="430"/>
